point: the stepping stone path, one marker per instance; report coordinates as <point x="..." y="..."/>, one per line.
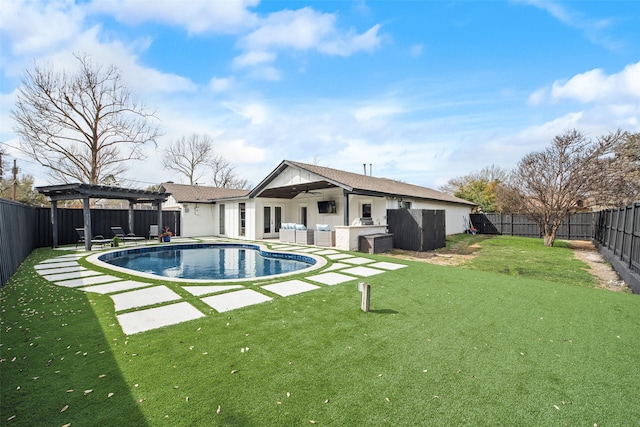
<point x="143" y="306"/>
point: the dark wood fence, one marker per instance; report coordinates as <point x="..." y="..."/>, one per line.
<point x="24" y="228"/>
<point x="18" y="236"/>
<point x="417" y="229"/>
<point x="579" y="226"/>
<point x="618" y="238"/>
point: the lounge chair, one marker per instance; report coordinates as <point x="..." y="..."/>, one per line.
<point x="154" y="232"/>
<point x="98" y="240"/>
<point x="119" y="232"/>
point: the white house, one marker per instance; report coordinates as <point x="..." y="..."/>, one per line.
<point x="309" y="195"/>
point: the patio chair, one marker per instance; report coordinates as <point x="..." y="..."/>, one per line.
<point x="98" y="240"/>
<point x="154" y="232"/>
<point x="119" y="232"/>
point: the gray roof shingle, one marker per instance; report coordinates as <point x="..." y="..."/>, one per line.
<point x="184" y="193"/>
<point x="386" y="186"/>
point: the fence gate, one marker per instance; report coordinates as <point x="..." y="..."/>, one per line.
<point x="417" y="229"/>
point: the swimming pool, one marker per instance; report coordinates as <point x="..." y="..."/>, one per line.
<point x="207" y="262"/>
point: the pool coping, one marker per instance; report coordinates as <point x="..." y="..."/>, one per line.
<point x="320" y="262"/>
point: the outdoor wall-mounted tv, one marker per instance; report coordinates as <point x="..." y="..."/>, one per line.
<point x="327" y="207"/>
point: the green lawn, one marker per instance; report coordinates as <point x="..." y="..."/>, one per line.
<point x="519" y="336"/>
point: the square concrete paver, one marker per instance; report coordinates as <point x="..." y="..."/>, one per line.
<point x="62" y="258"/>
<point x="142" y="297"/>
<point x="93" y="280"/>
<point x="46" y="265"/>
<point x="233" y="300"/>
<point x="363" y="271"/>
<point x="337" y="266"/>
<point x="339" y="256"/>
<point x="387" y="265"/>
<point x="110" y="288"/>
<point x="308" y="250"/>
<point x="291" y="287"/>
<point x="203" y="290"/>
<point x="327" y="252"/>
<point x="72" y="275"/>
<point x="58" y="270"/>
<point x="357" y="260"/>
<point x="330" y="278"/>
<point x="277" y="247"/>
<point x="152" y="318"/>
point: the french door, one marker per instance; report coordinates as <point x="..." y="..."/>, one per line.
<point x="272" y="220"/>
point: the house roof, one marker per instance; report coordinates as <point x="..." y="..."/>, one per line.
<point x="184" y="193"/>
<point x="351" y="182"/>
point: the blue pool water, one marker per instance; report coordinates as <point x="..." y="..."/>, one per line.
<point x="208" y="261"/>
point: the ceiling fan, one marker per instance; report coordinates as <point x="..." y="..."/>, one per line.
<point x="307" y="191"/>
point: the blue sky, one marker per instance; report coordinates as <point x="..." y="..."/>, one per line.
<point x="423" y="90"/>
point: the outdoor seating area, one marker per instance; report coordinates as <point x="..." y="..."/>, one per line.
<point x="96" y="240"/>
<point x="301" y="235"/>
<point x="130" y="237"/>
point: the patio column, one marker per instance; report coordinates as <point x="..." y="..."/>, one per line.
<point x="86" y="211"/>
<point x="346" y="208"/>
<point x="54" y="222"/>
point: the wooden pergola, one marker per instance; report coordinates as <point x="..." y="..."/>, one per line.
<point x="85" y="192"/>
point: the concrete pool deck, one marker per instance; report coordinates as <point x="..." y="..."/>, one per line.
<point x="142" y="306"/>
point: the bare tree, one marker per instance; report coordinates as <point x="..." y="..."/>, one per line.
<point x="224" y="175"/>
<point x="621" y="184"/>
<point x="549" y="185"/>
<point x="189" y="156"/>
<point x="81" y="125"/>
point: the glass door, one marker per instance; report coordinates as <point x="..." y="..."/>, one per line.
<point x="271" y="221"/>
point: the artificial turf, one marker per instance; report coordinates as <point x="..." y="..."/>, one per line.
<point x="518" y="338"/>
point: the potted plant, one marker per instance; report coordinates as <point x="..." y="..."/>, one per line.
<point x="115" y="242"/>
<point x="166" y="234"/>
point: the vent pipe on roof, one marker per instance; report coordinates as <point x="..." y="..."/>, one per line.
<point x="370" y="171"/>
<point x="364" y="165"/>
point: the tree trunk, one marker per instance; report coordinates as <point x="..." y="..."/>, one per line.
<point x="549" y="239"/>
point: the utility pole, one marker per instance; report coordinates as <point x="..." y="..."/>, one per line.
<point x="15" y="179"/>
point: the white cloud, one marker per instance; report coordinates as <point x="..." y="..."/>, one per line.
<point x="221" y="84"/>
<point x="228" y="16"/>
<point x="592" y="86"/>
<point x="32" y="27"/>
<point x="593" y="28"/>
<point x="301" y="30"/>
<point x="376" y="111"/>
<point x="253" y="58"/>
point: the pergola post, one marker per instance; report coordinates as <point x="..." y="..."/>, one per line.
<point x="159" y="216"/>
<point x="131" y="203"/>
<point x="54" y="222"/>
<point x="86" y="212"/>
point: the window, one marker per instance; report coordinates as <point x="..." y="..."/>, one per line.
<point x="366" y="210"/>
<point x="242" y="218"/>
<point x="404" y="204"/>
<point x="221" y="223"/>
<point x="303" y="215"/>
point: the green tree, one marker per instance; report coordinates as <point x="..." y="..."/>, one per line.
<point x="479" y="187"/>
<point x="25" y="192"/>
